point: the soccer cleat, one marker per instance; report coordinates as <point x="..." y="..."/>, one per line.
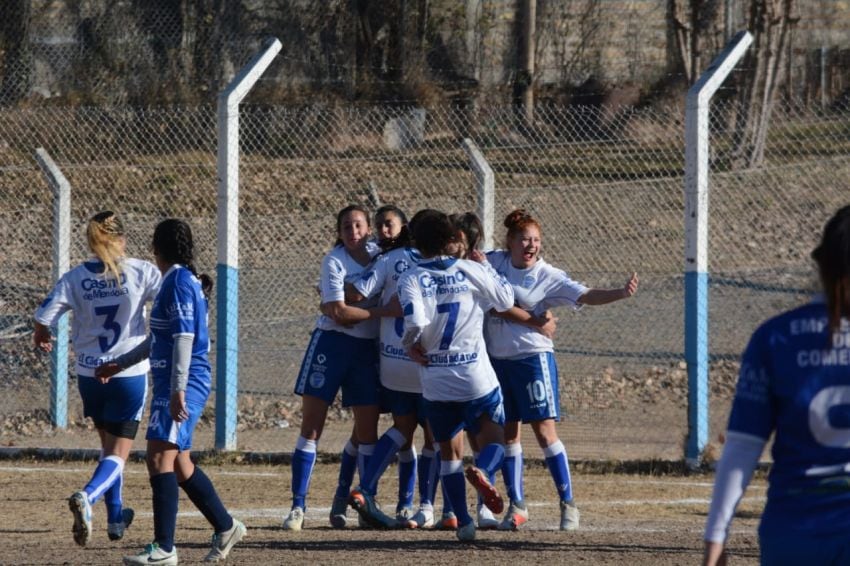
<point x="368" y="508"/>
<point x="339" y="513"/>
<point x="223" y="542"/>
<point x="403" y="515"/>
<point x="448" y="522"/>
<point x="423" y="519"/>
<point x="81" y="509"/>
<point x="516" y="517"/>
<point x="466" y="533"/>
<point x="486" y="519"/>
<point x="295" y="520"/>
<point x="153" y="554"/>
<point x="115" y="531"/>
<point x="488" y="492"/>
<point x="569" y="516"/>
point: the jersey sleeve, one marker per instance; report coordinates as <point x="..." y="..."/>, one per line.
<point x="413" y="306"/>
<point x="496" y="292"/>
<point x="58" y="302"/>
<point x="180" y="308"/>
<point x="752" y="410"/>
<point x="332" y="280"/>
<point x="372" y="281"/>
<point x="560" y="291"/>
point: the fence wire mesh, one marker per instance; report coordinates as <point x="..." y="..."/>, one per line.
<point x="606" y="185"/>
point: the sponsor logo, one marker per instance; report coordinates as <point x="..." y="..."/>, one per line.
<point x="159" y="364"/>
<point x="321" y="358"/>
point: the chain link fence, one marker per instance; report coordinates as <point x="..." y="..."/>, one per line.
<point x="606" y="185"/>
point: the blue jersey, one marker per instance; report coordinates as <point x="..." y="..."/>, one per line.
<point x="795" y="382"/>
<point x="180" y="308"/>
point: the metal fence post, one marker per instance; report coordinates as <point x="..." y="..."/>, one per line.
<point x="61" y="253"/>
<point x="227" y="270"/>
<point x="696" y="238"/>
<point x="485" y="184"/>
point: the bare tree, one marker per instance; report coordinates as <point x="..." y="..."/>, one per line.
<point x="694" y="24"/>
<point x="771" y="22"/>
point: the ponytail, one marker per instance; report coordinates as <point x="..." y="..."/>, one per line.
<point x="105" y="234"/>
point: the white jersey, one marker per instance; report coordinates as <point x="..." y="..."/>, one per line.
<point x="536" y="289"/>
<point x="444" y="300"/>
<point x="398" y="371"/>
<point x="339" y="268"/>
<point x="109" y="317"/>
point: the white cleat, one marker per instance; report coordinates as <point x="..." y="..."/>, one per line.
<point x="569" y="516"/>
<point x="223" y="542"/>
<point x="295" y="520"/>
<point x="516" y="517"/>
<point x="423" y="519"/>
<point x="81" y="509"/>
<point x="486" y="519"/>
<point x="153" y="554"/>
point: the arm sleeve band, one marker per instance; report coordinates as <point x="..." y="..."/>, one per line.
<point x="734" y="472"/>
<point x="180" y="361"/>
<point x="134" y="356"/>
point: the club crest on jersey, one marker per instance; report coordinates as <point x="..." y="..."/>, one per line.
<point x="528" y="281"/>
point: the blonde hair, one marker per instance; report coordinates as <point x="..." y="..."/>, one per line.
<point x="105" y="234"/>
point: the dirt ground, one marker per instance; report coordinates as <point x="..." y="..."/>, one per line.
<point x="625" y="519"/>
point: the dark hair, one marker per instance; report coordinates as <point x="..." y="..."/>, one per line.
<point x="403" y="237"/>
<point x="172" y="242"/>
<point x="341" y="214"/>
<point x="470" y="225"/>
<point x="516" y="222"/>
<point x="432" y="232"/>
<point x="833" y="258"/>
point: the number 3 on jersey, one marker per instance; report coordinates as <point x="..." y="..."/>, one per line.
<point x="451" y="322"/>
<point x="109" y="324"/>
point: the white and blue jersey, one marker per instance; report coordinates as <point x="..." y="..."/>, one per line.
<point x="444" y="300"/>
<point x="180" y="309"/>
<point x="537" y="289"/>
<point x="109" y="316"/>
<point x="339" y="268"/>
<point x="796" y="383"/>
<point x="397" y="371"/>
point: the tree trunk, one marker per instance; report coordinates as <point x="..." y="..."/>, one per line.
<point x="17" y="64"/>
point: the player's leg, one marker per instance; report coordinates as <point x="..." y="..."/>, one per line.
<point x="366" y="424"/>
<point x="347" y="468"/>
<point x="485" y="417"/>
<point x="484" y="517"/>
<point x="559" y="467"/>
<point x="406" y="468"/>
<point x="428" y="475"/>
<point x="447" y="422"/>
<point x="314" y="411"/>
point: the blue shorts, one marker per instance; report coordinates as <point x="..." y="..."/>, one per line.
<point x="335" y="361"/>
<point x="162" y="427"/>
<point x="403" y="403"/>
<point x="530" y="387"/>
<point x="448" y="418"/>
<point x="791" y="549"/>
<point x="119" y="400"/>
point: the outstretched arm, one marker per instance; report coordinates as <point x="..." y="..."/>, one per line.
<point x="605" y="296"/>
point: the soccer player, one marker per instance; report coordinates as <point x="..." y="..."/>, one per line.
<point x="444" y="300"/>
<point x="794" y="385"/>
<point x="341" y="355"/>
<point x="525" y="363"/>
<point x="107" y="294"/>
<point x="179" y="350"/>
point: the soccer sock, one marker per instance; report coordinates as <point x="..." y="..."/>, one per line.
<point x="347" y="467"/>
<point x="383" y="453"/>
<point x="427" y="470"/>
<point x="303" y="460"/>
<point x="364" y="456"/>
<point x="165" y="497"/>
<point x="559" y="467"/>
<point x="447" y="503"/>
<point x="454" y="488"/>
<point x="490" y="459"/>
<point x="105" y="474"/>
<point x="512" y="471"/>
<point x="201" y="492"/>
<point x="113" y="497"/>
<point x="406" y="477"/>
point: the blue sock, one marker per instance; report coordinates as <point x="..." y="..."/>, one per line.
<point x="512" y="471"/>
<point x="303" y="460"/>
<point x="364" y="456"/>
<point x="490" y="460"/>
<point x="428" y="472"/>
<point x="347" y="467"/>
<point x="559" y="467"/>
<point x="105" y="474"/>
<point x="385" y="450"/>
<point x="406" y="477"/>
<point x="114" y="500"/>
<point x="454" y="488"/>
<point x="201" y="492"/>
<point x="165" y="497"/>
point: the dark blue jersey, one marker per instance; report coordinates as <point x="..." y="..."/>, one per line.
<point x="180" y="308"/>
<point x="795" y="381"/>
